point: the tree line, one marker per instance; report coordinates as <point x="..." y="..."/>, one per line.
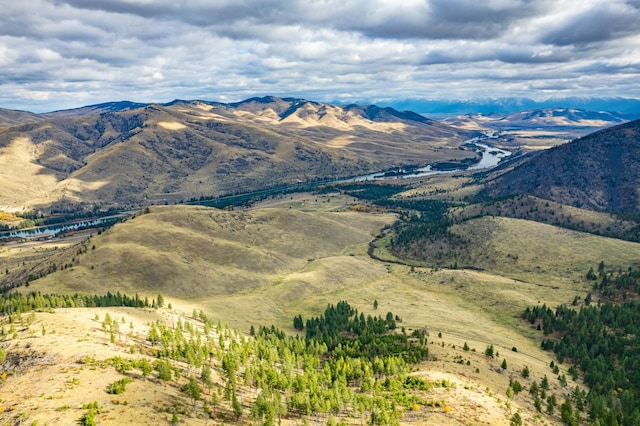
<point x="602" y="340"/>
<point x="35" y="301"/>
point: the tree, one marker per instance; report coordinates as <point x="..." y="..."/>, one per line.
<point x="192" y="389"/>
<point x="551" y="404"/>
<point x="489" y="351"/>
<point x="159" y="301"/>
<point x="525" y="372"/>
<point x="237" y="407"/>
<point x="569" y="417"/>
<point x="544" y="383"/>
<point x="516" y="419"/>
<point x="145" y="367"/>
<point x="504" y="364"/>
<point x="516" y="385"/>
<point x="375" y="304"/>
<point x="206" y="376"/>
<point x="538" y="404"/>
<point x="562" y="379"/>
<point x="88" y="419"/>
<point x="298" y="323"/>
<point x="164" y="370"/>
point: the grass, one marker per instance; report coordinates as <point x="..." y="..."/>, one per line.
<point x="295" y="255"/>
<point x="542" y="254"/>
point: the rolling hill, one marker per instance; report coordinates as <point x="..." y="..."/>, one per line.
<point x="124" y="154"/>
<point x="9" y="117"/>
<point x="600" y="171"/>
<point x="555" y="119"/>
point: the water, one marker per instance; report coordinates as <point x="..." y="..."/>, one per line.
<point x="490" y="157"/>
<point x="51" y="231"/>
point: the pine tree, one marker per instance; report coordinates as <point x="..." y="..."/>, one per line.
<point x="237" y="407"/>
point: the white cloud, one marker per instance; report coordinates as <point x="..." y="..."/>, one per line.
<point x="324" y="49"/>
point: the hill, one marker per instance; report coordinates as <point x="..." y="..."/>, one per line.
<point x="550" y="119"/>
<point x="9" y="117"/>
<point x="128" y="155"/>
<point x="291" y="256"/>
<point x="95" y="109"/>
<point x="600" y="171"/>
<point x="206" y="255"/>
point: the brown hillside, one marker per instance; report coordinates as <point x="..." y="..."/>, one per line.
<point x="198" y="252"/>
<point x="600" y="171"/>
<point x="126" y="156"/>
<point x="10" y="117"/>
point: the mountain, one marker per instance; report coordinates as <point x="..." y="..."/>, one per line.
<point x="510" y="105"/>
<point x="95" y="109"/>
<point x="553" y="119"/>
<point x="9" y="117"/>
<point x="600" y="171"/>
<point x="124" y="154"/>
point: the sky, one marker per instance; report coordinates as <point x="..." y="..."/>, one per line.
<point x="61" y="54"/>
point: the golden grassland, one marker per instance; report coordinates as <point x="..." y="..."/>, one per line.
<point x="55" y="382"/>
<point x="294" y="255"/>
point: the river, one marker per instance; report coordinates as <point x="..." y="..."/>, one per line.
<point x="50" y="231"/>
<point x="490" y="157"/>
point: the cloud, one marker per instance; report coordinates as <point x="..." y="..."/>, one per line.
<point x="601" y="22"/>
<point x="158" y="50"/>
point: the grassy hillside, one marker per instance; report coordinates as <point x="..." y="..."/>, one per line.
<point x="200" y="254"/>
<point x="292" y="256"/>
<point x="134" y="155"/>
<point x="599" y="171"/>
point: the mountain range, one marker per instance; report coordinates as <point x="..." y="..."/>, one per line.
<point x="557" y="119"/>
<point x="125" y="154"/>
<point x="511" y="105"/>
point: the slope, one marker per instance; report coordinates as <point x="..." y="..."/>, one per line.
<point x="9" y="117"/>
<point x="131" y="155"/>
<point x="203" y="254"/>
<point x="291" y="256"/>
<point x="600" y="171"/>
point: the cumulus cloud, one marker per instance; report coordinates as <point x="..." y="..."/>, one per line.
<point x="58" y="53"/>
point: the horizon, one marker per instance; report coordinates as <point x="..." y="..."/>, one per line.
<point x="473" y="105"/>
<point x="58" y="55"/>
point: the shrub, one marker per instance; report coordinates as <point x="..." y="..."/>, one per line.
<point x="118" y="386"/>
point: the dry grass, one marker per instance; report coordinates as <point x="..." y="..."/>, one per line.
<point x="542" y="254"/>
<point x="296" y="254"/>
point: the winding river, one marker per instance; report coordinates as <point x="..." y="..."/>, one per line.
<point x="490" y="157"/>
<point x="50" y="231"/>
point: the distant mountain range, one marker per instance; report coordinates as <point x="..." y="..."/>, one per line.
<point x="600" y="171"/>
<point x="511" y="105"/>
<point x="548" y="119"/>
<point x="125" y="154"/>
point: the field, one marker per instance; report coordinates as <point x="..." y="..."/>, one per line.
<point x="294" y="255"/>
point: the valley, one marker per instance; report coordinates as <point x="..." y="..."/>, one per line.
<point x="447" y="261"/>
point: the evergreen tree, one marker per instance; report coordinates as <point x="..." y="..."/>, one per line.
<point x="192" y="389"/>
